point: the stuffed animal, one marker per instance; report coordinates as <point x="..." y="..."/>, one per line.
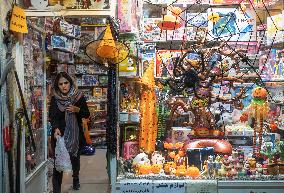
<point x="157" y="158"/>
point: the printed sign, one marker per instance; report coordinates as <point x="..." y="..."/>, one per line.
<point x="135" y="186"/>
<point x="201" y="186"/>
<point x="231" y="24"/>
<point x="173" y="186"/>
<point x="275" y="29"/>
<point x="18" y="21"/>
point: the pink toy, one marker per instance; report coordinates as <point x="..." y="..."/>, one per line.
<point x="130" y="149"/>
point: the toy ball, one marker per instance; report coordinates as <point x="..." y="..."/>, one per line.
<point x="88" y="150"/>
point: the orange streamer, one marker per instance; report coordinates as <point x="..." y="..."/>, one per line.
<point x="149" y="118"/>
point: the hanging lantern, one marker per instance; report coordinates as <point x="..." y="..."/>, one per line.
<point x="107" y="50"/>
<point x="171" y="22"/>
<point x="107" y="47"/>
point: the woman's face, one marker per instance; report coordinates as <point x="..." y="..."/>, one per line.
<point x="64" y="85"/>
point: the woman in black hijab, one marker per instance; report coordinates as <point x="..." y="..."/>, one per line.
<point x="67" y="108"/>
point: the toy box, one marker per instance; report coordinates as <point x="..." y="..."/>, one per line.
<point x="130" y="149"/>
<point x="130" y="133"/>
<point x="197" y="156"/>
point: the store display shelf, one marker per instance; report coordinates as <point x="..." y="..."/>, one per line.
<point x="95" y="73"/>
<point x="101" y="13"/>
<point x="275" y="45"/>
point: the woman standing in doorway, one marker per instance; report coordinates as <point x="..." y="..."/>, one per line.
<point x="67" y="108"/>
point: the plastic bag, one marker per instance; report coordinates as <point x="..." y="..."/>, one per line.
<point x="62" y="158"/>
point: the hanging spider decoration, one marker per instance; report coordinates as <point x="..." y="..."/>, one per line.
<point x="196" y="70"/>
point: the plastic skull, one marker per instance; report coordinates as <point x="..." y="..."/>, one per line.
<point x="141" y="159"/>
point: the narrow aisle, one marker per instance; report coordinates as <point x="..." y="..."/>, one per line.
<point x="93" y="175"/>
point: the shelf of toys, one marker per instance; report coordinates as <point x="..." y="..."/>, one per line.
<point x="204" y="113"/>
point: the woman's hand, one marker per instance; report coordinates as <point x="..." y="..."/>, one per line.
<point x="73" y="109"/>
<point x="57" y="133"/>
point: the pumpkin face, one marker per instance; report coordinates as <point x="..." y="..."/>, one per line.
<point x="179" y="145"/>
<point x="168" y="166"/>
<point x="193" y="172"/>
<point x="201" y="131"/>
<point x="144" y="169"/>
<point x="181" y="170"/>
<point x="259" y="93"/>
<point x="156" y="168"/>
<point x="172" y="154"/>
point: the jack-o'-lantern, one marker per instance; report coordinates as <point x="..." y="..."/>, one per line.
<point x="172" y="154"/>
<point x="156" y="168"/>
<point x="193" y="172"/>
<point x="144" y="169"/>
<point x="177" y="157"/>
<point x="179" y="145"/>
<point x="181" y="170"/>
<point x="168" y="145"/>
<point x="259" y="93"/>
<point x="201" y="131"/>
<point x="169" y="166"/>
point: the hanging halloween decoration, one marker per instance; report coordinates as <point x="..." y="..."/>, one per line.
<point x="258" y="110"/>
<point x="107" y="50"/>
<point x="149" y="118"/>
<point x="171" y="21"/>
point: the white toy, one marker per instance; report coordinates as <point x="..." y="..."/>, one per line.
<point x="141" y="159"/>
<point x="157" y="158"/>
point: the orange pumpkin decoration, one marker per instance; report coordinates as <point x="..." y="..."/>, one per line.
<point x="259" y="93"/>
<point x="166" y="145"/>
<point x="172" y="154"/>
<point x="144" y="169"/>
<point x="181" y="170"/>
<point x="273" y="126"/>
<point x="168" y="166"/>
<point x="181" y="153"/>
<point x="215" y="133"/>
<point x="156" y="168"/>
<point x="179" y="145"/>
<point x="193" y="172"/>
<point x="201" y="132"/>
<point x="177" y="157"/>
<point x="244" y="117"/>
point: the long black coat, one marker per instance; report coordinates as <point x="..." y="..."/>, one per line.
<point x="57" y="119"/>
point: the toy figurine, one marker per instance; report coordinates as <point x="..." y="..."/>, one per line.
<point x="217" y="164"/>
<point x="259" y="170"/>
<point x="210" y="166"/>
<point x="268" y="151"/>
<point x="280" y="150"/>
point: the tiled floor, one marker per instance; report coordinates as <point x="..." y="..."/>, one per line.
<point x="93" y="175"/>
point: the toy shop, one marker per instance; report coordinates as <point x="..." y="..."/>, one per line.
<point x="184" y="95"/>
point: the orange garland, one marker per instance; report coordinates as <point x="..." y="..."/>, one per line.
<point x="149" y="118"/>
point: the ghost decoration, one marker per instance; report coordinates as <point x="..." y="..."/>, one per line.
<point x="236" y="115"/>
<point x="225" y="119"/>
<point x="141" y="159"/>
<point x="157" y="158"/>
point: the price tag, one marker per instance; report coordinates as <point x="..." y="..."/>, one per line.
<point x="136" y="186"/>
<point x="18" y="21"/>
